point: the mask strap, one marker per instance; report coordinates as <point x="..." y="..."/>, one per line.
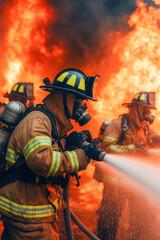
<point x="65" y="105"/>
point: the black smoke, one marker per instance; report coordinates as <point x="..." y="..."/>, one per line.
<point x="82" y="26"/>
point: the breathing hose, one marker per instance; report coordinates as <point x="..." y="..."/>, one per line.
<point x="68" y="214"/>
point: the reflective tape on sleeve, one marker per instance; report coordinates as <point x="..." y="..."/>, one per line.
<point x="110" y="139"/>
<point x="55" y="163"/>
<point x="35" y="143"/>
<point x="74" y="160"/>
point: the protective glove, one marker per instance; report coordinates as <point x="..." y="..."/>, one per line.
<point x="87" y="136"/>
<point x="74" y="140"/>
<point x="93" y="153"/>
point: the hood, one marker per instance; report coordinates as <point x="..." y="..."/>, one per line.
<point x="54" y="103"/>
<point x="134" y="118"/>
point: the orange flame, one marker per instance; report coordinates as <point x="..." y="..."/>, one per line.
<point x="25" y="39"/>
<point x="138" y="53"/>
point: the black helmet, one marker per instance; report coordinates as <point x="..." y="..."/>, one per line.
<point x="73" y="81"/>
<point x="146" y="99"/>
<point x="24" y="90"/>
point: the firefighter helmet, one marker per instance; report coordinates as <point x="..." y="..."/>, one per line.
<point x="24" y="90"/>
<point x="146" y="99"/>
<point x="73" y="81"/>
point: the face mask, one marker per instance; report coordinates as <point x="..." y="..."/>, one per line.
<point x="79" y="112"/>
<point x="148" y="117"/>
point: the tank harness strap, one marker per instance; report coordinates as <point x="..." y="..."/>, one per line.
<point x="41" y="108"/>
<point x="125" y="127"/>
<point x="23" y="172"/>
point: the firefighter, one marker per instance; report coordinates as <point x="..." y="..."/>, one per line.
<point x="22" y="92"/>
<point x="29" y="204"/>
<point x="128" y="134"/>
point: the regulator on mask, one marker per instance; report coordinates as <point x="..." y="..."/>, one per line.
<point x="149" y="118"/>
<point x="80" y="114"/>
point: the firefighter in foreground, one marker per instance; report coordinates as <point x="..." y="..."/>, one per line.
<point x="29" y="204"/>
<point x="126" y="135"/>
<point x="22" y="92"/>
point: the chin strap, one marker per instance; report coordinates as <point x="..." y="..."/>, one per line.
<point x="139" y="114"/>
<point x="65" y="105"/>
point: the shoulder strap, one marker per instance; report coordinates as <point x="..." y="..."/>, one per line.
<point x="40" y="107"/>
<point x="125" y="127"/>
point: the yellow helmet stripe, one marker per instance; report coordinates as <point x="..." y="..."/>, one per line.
<point x="21" y="89"/>
<point x="55" y="163"/>
<point x="62" y="77"/>
<point x="71" y="81"/>
<point x="142" y="97"/>
<point x="26" y="211"/>
<point x="137" y="96"/>
<point x="15" y="87"/>
<point x="82" y="84"/>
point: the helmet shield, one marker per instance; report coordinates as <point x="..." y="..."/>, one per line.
<point x="73" y="81"/>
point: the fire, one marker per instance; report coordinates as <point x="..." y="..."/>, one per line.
<point x="26" y="35"/>
<point x="138" y="53"/>
<point x="29" y="55"/>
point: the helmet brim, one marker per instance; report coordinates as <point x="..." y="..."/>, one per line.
<point x="130" y="104"/>
<point x="51" y="88"/>
<point x="7" y="95"/>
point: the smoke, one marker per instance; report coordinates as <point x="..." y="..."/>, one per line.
<point x="82" y="26"/>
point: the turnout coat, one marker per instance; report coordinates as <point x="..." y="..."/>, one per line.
<point x="34" y="202"/>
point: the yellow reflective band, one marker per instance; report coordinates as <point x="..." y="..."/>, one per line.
<point x="35" y="143"/>
<point x="137" y="96"/>
<point x="62" y="77"/>
<point x="117" y="149"/>
<point x="74" y="160"/>
<point x="11" y="156"/>
<point x="25" y="210"/>
<point x="143" y="97"/>
<point x="131" y="147"/>
<point x="110" y="139"/>
<point x="82" y="84"/>
<point x="15" y="87"/>
<point x="55" y="163"/>
<point x="71" y="81"/>
<point x="21" y="89"/>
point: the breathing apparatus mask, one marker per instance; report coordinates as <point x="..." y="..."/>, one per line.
<point x="80" y="114"/>
<point x="144" y="101"/>
<point x="148" y="117"/>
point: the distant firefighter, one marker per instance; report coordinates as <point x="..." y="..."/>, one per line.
<point x="22" y="92"/>
<point x="128" y="134"/>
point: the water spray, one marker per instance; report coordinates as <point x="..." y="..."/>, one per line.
<point x="154" y="151"/>
<point x="145" y="174"/>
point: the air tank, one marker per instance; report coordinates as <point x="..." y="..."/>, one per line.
<point x="9" y="119"/>
<point x="102" y="129"/>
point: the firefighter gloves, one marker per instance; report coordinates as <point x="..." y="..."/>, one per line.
<point x="74" y="140"/>
<point x="93" y="153"/>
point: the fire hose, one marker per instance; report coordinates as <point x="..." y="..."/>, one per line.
<point x="68" y="214"/>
